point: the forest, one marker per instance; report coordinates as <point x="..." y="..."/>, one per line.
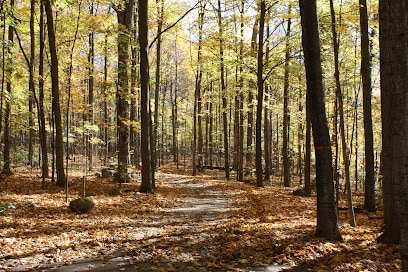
<point x="205" y="135"/>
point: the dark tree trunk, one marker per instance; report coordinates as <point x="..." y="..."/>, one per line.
<point x="260" y="84"/>
<point x="148" y="183"/>
<point x="369" y="194"/>
<point x="393" y="77"/>
<point x="124" y="15"/>
<point x="224" y="94"/>
<point x="240" y="155"/>
<point x="286" y="111"/>
<point x="31" y="86"/>
<point x="56" y="106"/>
<point x="7" y="113"/>
<point x="327" y="224"/>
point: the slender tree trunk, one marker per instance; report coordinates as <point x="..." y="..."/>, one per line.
<point x="105" y="98"/>
<point x="56" y="106"/>
<point x="41" y="113"/>
<point x="160" y="18"/>
<point x="267" y="124"/>
<point x="250" y="126"/>
<point x="148" y="183"/>
<point x="224" y="94"/>
<point x="31" y="87"/>
<point x="286" y="111"/>
<point x="7" y="114"/>
<point x="327" y="224"/>
<point x="90" y="112"/>
<point x="369" y="194"/>
<point x="260" y="85"/>
<point x="308" y="151"/>
<point x="198" y="137"/>
<point x="339" y="94"/>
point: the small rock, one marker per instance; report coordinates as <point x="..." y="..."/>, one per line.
<point x="81" y="205"/>
<point x="115" y="192"/>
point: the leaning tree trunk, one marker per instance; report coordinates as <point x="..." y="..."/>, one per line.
<point x="148" y="183"/>
<point x="339" y="95"/>
<point x="327" y="223"/>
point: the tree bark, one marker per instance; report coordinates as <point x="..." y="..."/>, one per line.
<point x="124" y="15"/>
<point x="56" y="106"/>
<point x="369" y="185"/>
<point x="260" y="85"/>
<point x="148" y="183"/>
<point x="327" y="224"/>
<point x="286" y="111"/>
<point x="7" y="113"/>
<point x="224" y="94"/>
<point x="392" y="74"/>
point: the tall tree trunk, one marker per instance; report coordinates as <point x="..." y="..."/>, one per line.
<point x="124" y="15"/>
<point x="160" y="18"/>
<point x="393" y="69"/>
<point x="369" y="184"/>
<point x="41" y="113"/>
<point x="240" y="155"/>
<point x="267" y="123"/>
<point x="148" y="183"/>
<point x="7" y="114"/>
<point x="90" y="112"/>
<point x="286" y="111"/>
<point x="339" y="94"/>
<point x="260" y="85"/>
<point x="250" y="126"/>
<point x="105" y="98"/>
<point x="308" y="151"/>
<point x="327" y="223"/>
<point x="56" y="106"/>
<point x="198" y="137"/>
<point x="223" y="93"/>
<point x="31" y="86"/>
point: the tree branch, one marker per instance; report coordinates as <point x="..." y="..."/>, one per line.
<point x="174" y="24"/>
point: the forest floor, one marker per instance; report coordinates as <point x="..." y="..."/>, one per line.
<point x="201" y="223"/>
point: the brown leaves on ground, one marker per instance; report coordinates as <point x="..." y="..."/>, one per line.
<point x="192" y="224"/>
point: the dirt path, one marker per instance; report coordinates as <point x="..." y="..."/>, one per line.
<point x="203" y="208"/>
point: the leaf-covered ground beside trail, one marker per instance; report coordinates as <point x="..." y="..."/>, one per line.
<point x="262" y="227"/>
